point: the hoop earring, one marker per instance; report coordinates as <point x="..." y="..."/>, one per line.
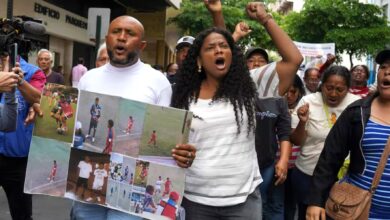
<point x="199" y="69"/>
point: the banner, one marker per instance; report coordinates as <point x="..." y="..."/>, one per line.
<point x="314" y="54"/>
<point x="108" y="151"/>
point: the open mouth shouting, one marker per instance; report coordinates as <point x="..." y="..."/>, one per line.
<point x="385" y="83"/>
<point x="220" y="63"/>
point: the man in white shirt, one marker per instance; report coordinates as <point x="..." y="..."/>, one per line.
<point x="128" y="77"/>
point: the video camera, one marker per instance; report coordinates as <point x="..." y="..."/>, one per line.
<point x="12" y="41"/>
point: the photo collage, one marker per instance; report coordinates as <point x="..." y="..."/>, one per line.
<point x="107" y="150"/>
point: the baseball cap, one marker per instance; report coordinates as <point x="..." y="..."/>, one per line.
<point x="259" y="50"/>
<point x="184" y="41"/>
<point x="382" y="56"/>
<point x="78" y="125"/>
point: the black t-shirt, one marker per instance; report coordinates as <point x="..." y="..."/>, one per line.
<point x="273" y="124"/>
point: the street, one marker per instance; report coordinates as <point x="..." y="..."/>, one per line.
<point x="44" y="207"/>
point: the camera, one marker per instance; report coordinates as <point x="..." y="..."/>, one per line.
<point x="12" y="41"/>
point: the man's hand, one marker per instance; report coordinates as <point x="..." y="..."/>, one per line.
<point x="33" y="111"/>
<point x="8" y="80"/>
<point x="256" y="11"/>
<point x="184" y="155"/>
<point x="213" y="6"/>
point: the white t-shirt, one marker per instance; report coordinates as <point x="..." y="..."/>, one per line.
<point x="317" y="127"/>
<point x="85" y="169"/>
<point x="98" y="182"/>
<point x="158" y="184"/>
<point x="138" y="82"/>
<point x="225" y="170"/>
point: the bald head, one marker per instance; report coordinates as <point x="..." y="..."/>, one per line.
<point x="124" y="41"/>
<point x="126" y="18"/>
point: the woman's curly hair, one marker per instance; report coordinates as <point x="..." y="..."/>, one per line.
<point x="237" y="86"/>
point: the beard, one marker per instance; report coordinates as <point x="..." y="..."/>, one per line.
<point x="131" y="58"/>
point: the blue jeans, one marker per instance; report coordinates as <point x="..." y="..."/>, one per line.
<point x="249" y="210"/>
<point x="83" y="211"/>
<point x="272" y="196"/>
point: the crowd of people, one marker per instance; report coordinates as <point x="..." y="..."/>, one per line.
<point x="263" y="144"/>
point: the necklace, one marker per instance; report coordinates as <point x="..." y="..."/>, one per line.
<point x="331" y="118"/>
<point x="380" y="119"/>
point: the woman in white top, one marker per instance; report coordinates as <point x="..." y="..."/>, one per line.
<point x="215" y="85"/>
<point x="315" y="115"/>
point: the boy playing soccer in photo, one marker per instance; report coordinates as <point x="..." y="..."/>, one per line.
<point x="153" y="138"/>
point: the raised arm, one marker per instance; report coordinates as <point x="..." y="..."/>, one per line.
<point x="215" y="9"/>
<point x="291" y="57"/>
<point x="242" y="30"/>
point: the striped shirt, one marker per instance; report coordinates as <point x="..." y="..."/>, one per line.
<point x="267" y="80"/>
<point x="225" y="171"/>
<point x="374" y="141"/>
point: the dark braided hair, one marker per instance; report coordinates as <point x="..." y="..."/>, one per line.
<point x="237" y="86"/>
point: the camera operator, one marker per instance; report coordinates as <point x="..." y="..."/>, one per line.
<point x="8" y="110"/>
<point x="14" y="146"/>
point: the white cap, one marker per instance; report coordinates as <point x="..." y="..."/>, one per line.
<point x="78" y="125"/>
<point x="189" y="40"/>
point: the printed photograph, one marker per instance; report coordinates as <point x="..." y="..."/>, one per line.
<point x="47" y="167"/>
<point x="96" y="126"/>
<point x="59" y="105"/>
<point x="128" y="170"/>
<point x="124" y="198"/>
<point x="87" y="176"/>
<point x="141" y="173"/>
<point x="164" y="128"/>
<point x="164" y="189"/>
<point x="131" y="116"/>
<point x="137" y="199"/>
<point x="112" y="193"/>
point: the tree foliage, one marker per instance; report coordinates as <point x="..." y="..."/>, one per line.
<point x="194" y="18"/>
<point x="356" y="28"/>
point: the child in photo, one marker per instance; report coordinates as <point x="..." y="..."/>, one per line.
<point x="167" y="187"/>
<point x="100" y="174"/>
<point x="95" y="113"/>
<point x="79" y="137"/>
<point x="158" y="185"/>
<point x="110" y="137"/>
<point x="126" y="174"/>
<point x="130" y="123"/>
<point x="53" y="172"/>
<point x="84" y="171"/>
<point x="153" y="138"/>
<point x="149" y="205"/>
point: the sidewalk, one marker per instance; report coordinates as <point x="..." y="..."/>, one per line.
<point x="44" y="207"/>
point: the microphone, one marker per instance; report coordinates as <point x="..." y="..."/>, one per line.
<point x="33" y="28"/>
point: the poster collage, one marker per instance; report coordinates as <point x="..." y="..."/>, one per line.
<point x="107" y="150"/>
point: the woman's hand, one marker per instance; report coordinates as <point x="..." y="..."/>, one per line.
<point x="213" y="6"/>
<point x="281" y="172"/>
<point x="184" y="155"/>
<point x="256" y="11"/>
<point x="303" y="113"/>
<point x="315" y="213"/>
<point x="242" y="29"/>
